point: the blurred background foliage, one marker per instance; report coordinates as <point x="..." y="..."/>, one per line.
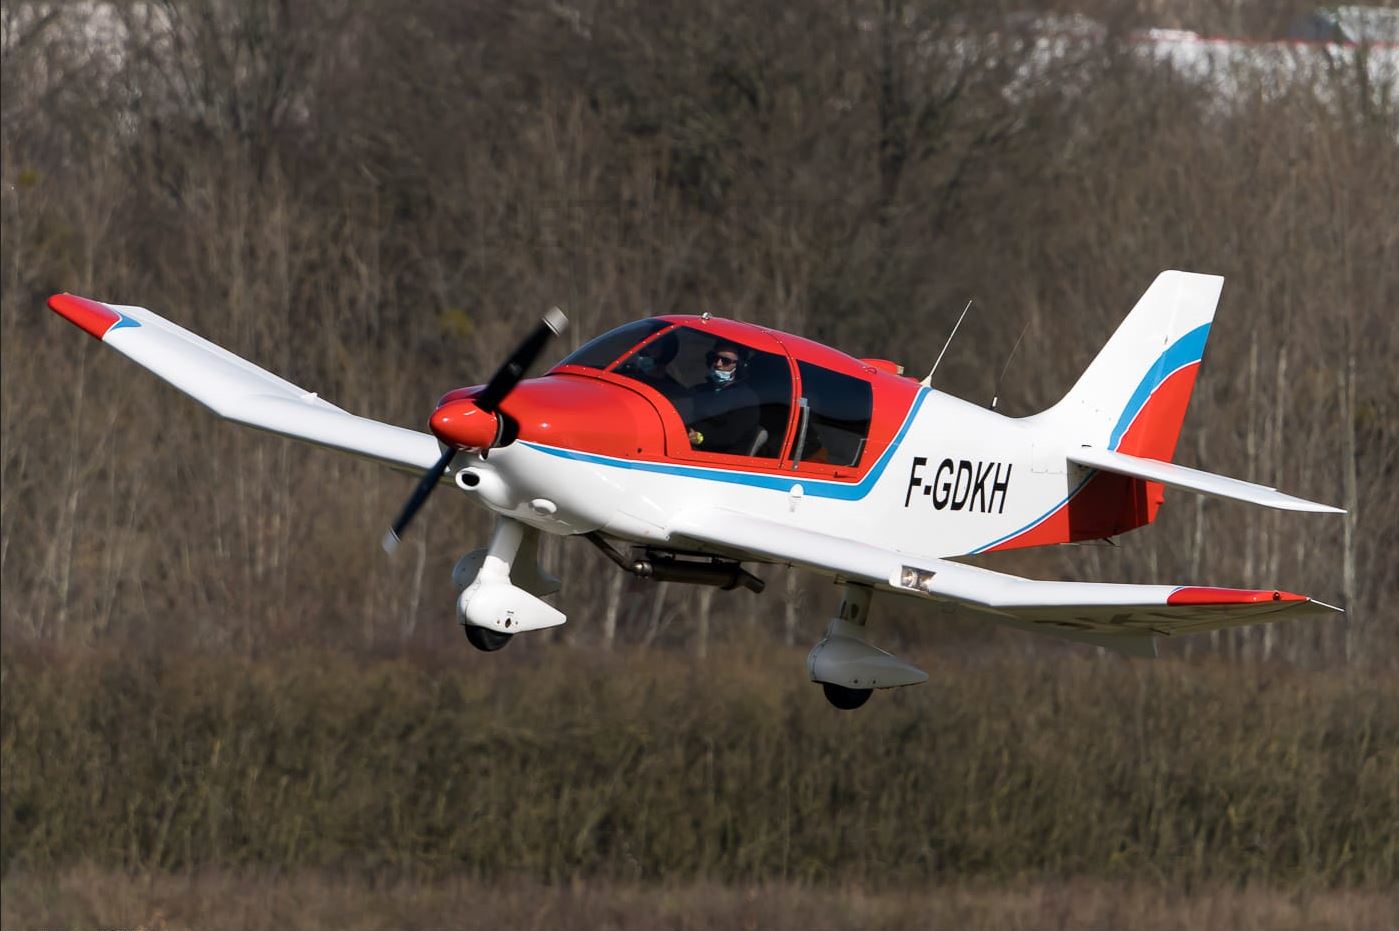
<point x="372" y="199"/>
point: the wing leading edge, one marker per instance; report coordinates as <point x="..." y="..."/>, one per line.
<point x="237" y="390"/>
<point x="1123" y="617"/>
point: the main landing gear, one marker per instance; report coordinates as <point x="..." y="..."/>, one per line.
<point x="850" y="669"/>
<point x="843" y="698"/>
<point x="501" y="587"/>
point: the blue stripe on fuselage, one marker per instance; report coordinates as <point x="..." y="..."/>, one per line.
<point x="782" y="482"/>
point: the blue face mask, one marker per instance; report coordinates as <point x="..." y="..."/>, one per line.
<point x="721" y="376"/>
<point x="646" y="364"/>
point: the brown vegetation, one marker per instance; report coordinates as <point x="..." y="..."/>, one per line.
<point x="88" y="898"/>
<point x="651" y="766"/>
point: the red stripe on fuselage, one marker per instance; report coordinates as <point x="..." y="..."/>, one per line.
<point x="95" y="319"/>
<point x="1107" y="504"/>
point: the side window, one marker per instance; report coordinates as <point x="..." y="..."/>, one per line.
<point x="838" y="422"/>
<point x="601" y="351"/>
<point x="732" y="398"/>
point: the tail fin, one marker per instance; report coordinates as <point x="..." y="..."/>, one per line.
<point x="1132" y="398"/>
<point x="1116" y="429"/>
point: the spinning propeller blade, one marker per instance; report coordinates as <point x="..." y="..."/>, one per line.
<point x="497" y="389"/>
<point x="425" y="486"/>
<point x="508" y="375"/>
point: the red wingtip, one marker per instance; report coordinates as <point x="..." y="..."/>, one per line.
<point x="1228" y="596"/>
<point x="96" y="319"/>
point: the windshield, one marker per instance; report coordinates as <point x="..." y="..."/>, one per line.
<point x="732" y="398"/>
<point x="602" y="351"/>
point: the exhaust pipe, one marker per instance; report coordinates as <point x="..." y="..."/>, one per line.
<point x="664" y="567"/>
<point x="725" y="575"/>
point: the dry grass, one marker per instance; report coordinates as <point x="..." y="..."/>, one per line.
<point x="557" y="764"/>
<point x="89" y="897"/>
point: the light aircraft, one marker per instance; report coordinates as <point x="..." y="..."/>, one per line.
<point x="703" y="443"/>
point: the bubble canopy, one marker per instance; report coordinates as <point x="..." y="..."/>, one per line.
<point x="773" y="405"/>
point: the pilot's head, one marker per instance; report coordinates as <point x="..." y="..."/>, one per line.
<point x="725" y="362"/>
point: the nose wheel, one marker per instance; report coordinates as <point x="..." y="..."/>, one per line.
<point x="843" y="698"/>
<point x="485" y="639"/>
<point x="492" y="608"/>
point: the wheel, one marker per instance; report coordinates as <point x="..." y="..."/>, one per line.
<point x="485" y="639"/>
<point x="845" y="699"/>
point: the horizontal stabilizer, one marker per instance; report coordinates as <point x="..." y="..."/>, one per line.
<point x="1207" y="483"/>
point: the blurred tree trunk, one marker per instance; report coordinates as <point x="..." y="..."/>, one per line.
<point x="613" y="607"/>
<point x="656" y="613"/>
<point x="892" y="107"/>
<point x="791" y="607"/>
<point x="1349" y="580"/>
<point x="704" y="603"/>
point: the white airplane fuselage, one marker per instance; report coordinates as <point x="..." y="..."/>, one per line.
<point x="955" y="479"/>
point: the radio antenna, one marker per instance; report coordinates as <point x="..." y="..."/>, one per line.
<point x="996" y="391"/>
<point x="928" y="381"/>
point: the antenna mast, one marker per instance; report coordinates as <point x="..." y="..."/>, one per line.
<point x="928" y="381"/>
<point x="996" y="391"/>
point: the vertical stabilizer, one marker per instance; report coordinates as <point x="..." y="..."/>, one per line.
<point x="1132" y="398"/>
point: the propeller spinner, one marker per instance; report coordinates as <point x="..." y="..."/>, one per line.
<point x="472" y="423"/>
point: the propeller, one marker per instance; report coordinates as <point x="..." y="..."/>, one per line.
<point x="509" y="375"/>
<point x="424" y="488"/>
<point x="482" y="432"/>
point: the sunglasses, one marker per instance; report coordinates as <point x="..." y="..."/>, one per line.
<point x="726" y="361"/>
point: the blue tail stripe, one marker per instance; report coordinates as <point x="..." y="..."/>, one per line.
<point x="1187" y="350"/>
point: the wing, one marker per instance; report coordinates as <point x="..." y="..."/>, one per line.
<point x="1207" y="483"/>
<point x="1120" y="616"/>
<point x="236" y="389"/>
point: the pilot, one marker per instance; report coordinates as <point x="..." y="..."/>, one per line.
<point x="724" y="417"/>
<point x="651" y="363"/>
